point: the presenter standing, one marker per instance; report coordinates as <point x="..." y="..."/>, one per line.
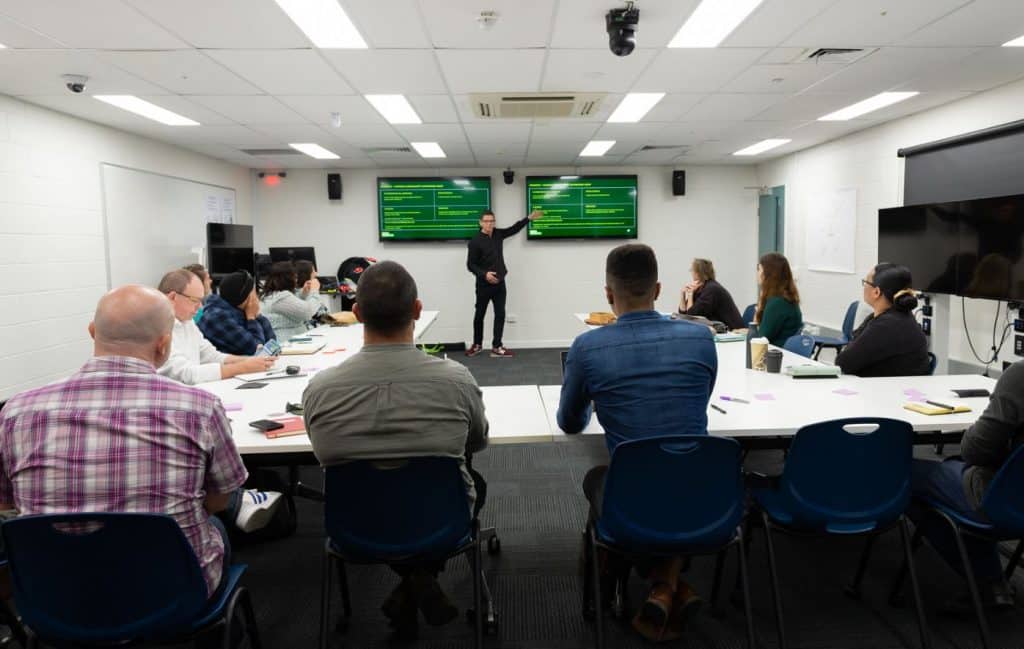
<point x="487" y="263"/>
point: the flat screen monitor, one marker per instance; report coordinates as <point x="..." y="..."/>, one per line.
<point x="991" y="243"/>
<point x="925" y="239"/>
<point x="583" y="207"/>
<point x="431" y="209"/>
<point x="229" y="248"/>
<point x="293" y="254"/>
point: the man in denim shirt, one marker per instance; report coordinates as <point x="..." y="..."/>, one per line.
<point x="647" y="376"/>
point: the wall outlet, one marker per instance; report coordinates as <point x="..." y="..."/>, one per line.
<point x="511" y="318"/>
<point x="926" y="326"/>
<point x="1018" y="345"/>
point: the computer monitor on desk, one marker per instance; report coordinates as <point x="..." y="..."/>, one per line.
<point x="293" y="253"/>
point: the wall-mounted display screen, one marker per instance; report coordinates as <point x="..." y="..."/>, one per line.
<point x="418" y="209"/>
<point x="229" y="248"/>
<point x="583" y="207"/>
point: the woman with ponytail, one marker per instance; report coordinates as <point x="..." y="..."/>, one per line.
<point x="889" y="342"/>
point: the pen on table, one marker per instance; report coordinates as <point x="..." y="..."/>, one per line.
<point x="940" y="405"/>
<point x="721" y="410"/>
<point x="737" y="400"/>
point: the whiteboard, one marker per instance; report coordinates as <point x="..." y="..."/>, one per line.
<point x="832" y="231"/>
<point x="154" y="223"/>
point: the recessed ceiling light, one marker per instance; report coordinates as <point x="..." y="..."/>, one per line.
<point x="324" y="22"/>
<point x="712" y="21"/>
<point x="133" y="104"/>
<point x="314" y="151"/>
<point x="428" y="149"/>
<point x="762" y="146"/>
<point x="635" y="105"/>
<point x="1017" y="42"/>
<point x="881" y="100"/>
<point x="596" y="148"/>
<point x="394" y="108"/>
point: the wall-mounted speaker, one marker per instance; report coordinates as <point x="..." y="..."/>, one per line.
<point x="334" y="187"/>
<point x="679" y="182"/>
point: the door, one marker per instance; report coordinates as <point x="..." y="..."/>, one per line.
<point x="770" y="231"/>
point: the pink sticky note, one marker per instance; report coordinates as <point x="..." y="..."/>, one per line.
<point x="232" y="407"/>
<point x="845" y="391"/>
<point x="765" y="396"/>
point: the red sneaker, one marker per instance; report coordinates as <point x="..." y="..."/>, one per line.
<point x="473" y="350"/>
<point x="501" y="352"/>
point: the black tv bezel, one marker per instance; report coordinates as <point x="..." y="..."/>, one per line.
<point x="270" y="250"/>
<point x="251" y="269"/>
<point x="380" y="223"/>
<point x="636" y="179"/>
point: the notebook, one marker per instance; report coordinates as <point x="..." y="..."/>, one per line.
<point x="292" y="426"/>
<point x="730" y="337"/>
<point x="297" y="349"/>
<point x="927" y="409"/>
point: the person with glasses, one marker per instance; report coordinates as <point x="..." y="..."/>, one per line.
<point x="486" y="261"/>
<point x="889" y="342"/>
<point x="232" y="320"/>
<point x="193" y="359"/>
<point x="704" y="296"/>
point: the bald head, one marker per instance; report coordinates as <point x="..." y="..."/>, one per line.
<point x="134" y="321"/>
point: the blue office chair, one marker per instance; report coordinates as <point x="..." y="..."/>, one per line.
<point x="822" y="342"/>
<point x="105" y="579"/>
<point x="933" y="361"/>
<point x="1003" y="507"/>
<point x="843" y="477"/>
<point x="419" y="512"/>
<point x="800" y="344"/>
<point x="651" y="508"/>
<point x="748" y="314"/>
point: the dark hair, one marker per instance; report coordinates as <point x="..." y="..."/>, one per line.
<point x="485" y="213"/>
<point x="176" y="281"/>
<point x="631" y="271"/>
<point x="778" y="281"/>
<point x="386" y="295"/>
<point x="280" y="278"/>
<point x="895" y="283"/>
<point x="705" y="269"/>
<point x="304" y="269"/>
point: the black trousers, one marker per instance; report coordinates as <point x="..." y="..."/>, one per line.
<point x="489" y="293"/>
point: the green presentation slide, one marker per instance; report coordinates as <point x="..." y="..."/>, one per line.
<point x="582" y="207"/>
<point x="417" y="209"/>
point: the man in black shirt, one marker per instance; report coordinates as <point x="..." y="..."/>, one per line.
<point x="487" y="262"/>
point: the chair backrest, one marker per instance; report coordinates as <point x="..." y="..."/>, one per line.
<point x="748" y="314"/>
<point x="933" y="361"/>
<point x="1003" y="502"/>
<point x="851" y="315"/>
<point x="848" y="475"/>
<point x="800" y="344"/>
<point x="668" y="493"/>
<point x="97" y="578"/>
<point x="396" y="509"/>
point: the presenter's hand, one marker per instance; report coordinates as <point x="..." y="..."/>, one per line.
<point x="534" y="215"/>
<point x="491" y="277"/>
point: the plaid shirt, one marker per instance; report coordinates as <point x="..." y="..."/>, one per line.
<point x="230" y="331"/>
<point x="117" y="437"/>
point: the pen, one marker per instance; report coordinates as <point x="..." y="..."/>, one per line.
<point x="737" y="400"/>
<point x="713" y="406"/>
<point x="941" y="405"/>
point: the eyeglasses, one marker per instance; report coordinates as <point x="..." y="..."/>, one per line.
<point x="487" y="220"/>
<point x="865" y="282"/>
<point x="194" y="300"/>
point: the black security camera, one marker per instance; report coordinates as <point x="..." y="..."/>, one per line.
<point x="621" y="24"/>
<point x="75" y="82"/>
<point x="509" y="176"/>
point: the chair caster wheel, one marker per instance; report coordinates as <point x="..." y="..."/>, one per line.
<point x="493" y="545"/>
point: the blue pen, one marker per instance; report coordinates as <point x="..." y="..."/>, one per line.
<point x="736" y="399"/>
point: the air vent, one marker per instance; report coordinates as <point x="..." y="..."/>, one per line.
<point x="387" y="149"/>
<point x="543" y="105"/>
<point x="270" y="152"/>
<point x="661" y="147"/>
<point x="833" y="55"/>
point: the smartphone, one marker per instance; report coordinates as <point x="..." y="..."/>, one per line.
<point x="971" y="392"/>
<point x="266" y="424"/>
<point x="252" y="385"/>
<point x="270" y="348"/>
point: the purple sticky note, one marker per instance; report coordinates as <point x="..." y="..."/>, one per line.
<point x="232" y="407"/>
<point x="913" y="392"/>
<point x="765" y="396"/>
<point x="845" y="391"/>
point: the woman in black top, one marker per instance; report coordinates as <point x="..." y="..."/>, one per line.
<point x="706" y="297"/>
<point x="890" y="341"/>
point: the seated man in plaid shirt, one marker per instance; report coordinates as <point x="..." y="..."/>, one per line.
<point x="118" y="437"/>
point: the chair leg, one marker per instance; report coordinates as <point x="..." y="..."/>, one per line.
<point x="251" y="627"/>
<point x="596" y="580"/>
<point x="716" y="584"/>
<point x="325" y="599"/>
<point x="908" y="553"/>
<point x="897" y="584"/>
<point x="972" y="585"/>
<point x="748" y="540"/>
<point x="346" y="599"/>
<point x="745" y="577"/>
<point x="773" y="572"/>
<point x="588" y="579"/>
<point x="478" y="568"/>
<point x="853" y="588"/>
<point x="229" y="618"/>
<point x="1014" y="560"/>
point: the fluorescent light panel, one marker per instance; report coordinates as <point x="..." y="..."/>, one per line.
<point x="762" y="146"/>
<point x="428" y="149"/>
<point x="712" y="21"/>
<point x="635" y="105"/>
<point x="324" y="22"/>
<point x="596" y="148"/>
<point x="314" y="151"/>
<point x="1017" y="42"/>
<point x="133" y="104"/>
<point x="881" y="100"/>
<point x="394" y="108"/>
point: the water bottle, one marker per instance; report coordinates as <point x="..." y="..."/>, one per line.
<point x="751" y="333"/>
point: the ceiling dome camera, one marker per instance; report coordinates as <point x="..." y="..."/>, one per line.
<point x="621" y="24"/>
<point x="75" y="82"/>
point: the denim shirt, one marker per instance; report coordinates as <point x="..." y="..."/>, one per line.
<point x="647" y="375"/>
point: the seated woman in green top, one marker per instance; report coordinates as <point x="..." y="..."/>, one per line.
<point x="778" y="305"/>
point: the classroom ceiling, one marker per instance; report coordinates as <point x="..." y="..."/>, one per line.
<point x="253" y="80"/>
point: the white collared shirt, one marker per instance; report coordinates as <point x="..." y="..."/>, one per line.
<point x="193" y="359"/>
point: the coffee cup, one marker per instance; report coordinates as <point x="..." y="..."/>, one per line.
<point x="773" y="361"/>
<point x="758" y="348"/>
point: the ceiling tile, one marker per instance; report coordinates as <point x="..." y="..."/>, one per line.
<point x="985" y="69"/>
<point x="389" y="71"/>
<point x="593" y="70"/>
<point x="981" y="23"/>
<point x="632" y="136"/>
<point x="14" y="35"/>
<point x="498" y="142"/>
<point x="888" y="67"/>
<point x="862" y="23"/>
<point x="253" y="109"/>
<point x="469" y="71"/>
<point x="442" y="133"/>
<point x="184" y="106"/>
<point x="96" y="24"/>
<point x="561" y="131"/>
<point x="788" y="79"/>
<point x="696" y="70"/>
<point x="434" y="109"/>
<point x="673" y="107"/>
<point x="283" y="72"/>
<point x="225" y="24"/>
<point x="186" y="72"/>
<point x="38" y="72"/>
<point x="369" y="135"/>
<point x="354" y="109"/>
<point x="807" y="106"/>
<point x="233" y="135"/>
<point x="286" y="133"/>
<point x="730" y="107"/>
<point x="380" y="29"/>
<point x="520" y="24"/>
<point x="774" y="20"/>
<point x="580" y="24"/>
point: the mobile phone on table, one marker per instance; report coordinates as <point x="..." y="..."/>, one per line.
<point x="266" y="424"/>
<point x="270" y="348"/>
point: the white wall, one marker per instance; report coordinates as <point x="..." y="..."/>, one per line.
<point x="52" y="268"/>
<point x="548" y="280"/>
<point x="867" y="161"/>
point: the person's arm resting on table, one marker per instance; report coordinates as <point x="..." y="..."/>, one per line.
<point x="574" y="404"/>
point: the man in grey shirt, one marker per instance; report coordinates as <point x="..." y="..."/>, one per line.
<point x="960" y="483"/>
<point x="392" y="401"/>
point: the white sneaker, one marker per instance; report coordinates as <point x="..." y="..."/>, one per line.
<point x="256" y="509"/>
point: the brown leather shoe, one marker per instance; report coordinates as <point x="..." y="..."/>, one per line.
<point x="658" y="605"/>
<point x="685" y="606"/>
